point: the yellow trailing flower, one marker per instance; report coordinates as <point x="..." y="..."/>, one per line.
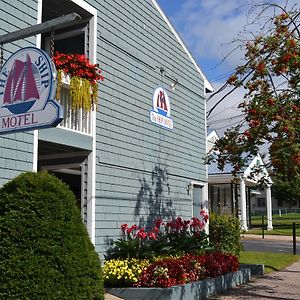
<point x="80" y="93"/>
<point x="83" y="93"/>
<point x="59" y="83"/>
<point x="84" y="79"/>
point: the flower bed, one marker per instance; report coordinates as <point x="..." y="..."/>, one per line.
<point x="167" y="272"/>
<point x="169" y="255"/>
<point x="167" y="238"/>
<point x="193" y="290"/>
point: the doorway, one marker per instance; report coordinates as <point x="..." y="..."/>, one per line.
<point x="69" y="164"/>
<point x="197" y="200"/>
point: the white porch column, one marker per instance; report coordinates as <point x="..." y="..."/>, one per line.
<point x="269" y="206"/>
<point x="205" y="205"/>
<point x="243" y="205"/>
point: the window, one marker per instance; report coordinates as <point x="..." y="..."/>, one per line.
<point x="72" y="41"/>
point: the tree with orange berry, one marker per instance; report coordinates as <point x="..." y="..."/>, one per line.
<point x="271" y="105"/>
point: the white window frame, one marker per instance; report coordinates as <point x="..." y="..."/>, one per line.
<point x="204" y="197"/>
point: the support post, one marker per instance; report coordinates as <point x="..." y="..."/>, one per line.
<point x="263" y="226"/>
<point x="294" y="238"/>
<point x="243" y="204"/>
<point x="249" y="207"/>
<point x="269" y="207"/>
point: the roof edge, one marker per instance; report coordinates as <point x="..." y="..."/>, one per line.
<point x="207" y="84"/>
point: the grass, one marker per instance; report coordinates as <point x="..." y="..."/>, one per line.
<point x="283" y="220"/>
<point x="272" y="261"/>
<point x="275" y="231"/>
<point x="282" y="225"/>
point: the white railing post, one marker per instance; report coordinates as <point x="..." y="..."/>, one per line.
<point x="77" y="120"/>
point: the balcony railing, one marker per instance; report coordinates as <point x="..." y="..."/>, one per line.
<point x="78" y="120"/>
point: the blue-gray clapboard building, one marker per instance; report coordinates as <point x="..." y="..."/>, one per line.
<point x="122" y="166"/>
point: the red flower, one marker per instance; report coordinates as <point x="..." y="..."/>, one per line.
<point x="254" y="123"/>
<point x="286" y="57"/>
<point x="141" y="234"/>
<point x="252" y="111"/>
<point x="132" y="228"/>
<point x="261" y="67"/>
<point x="152" y="236"/>
<point x="77" y="65"/>
<point x="204" y="215"/>
<point x="124" y="227"/>
<point x="285" y="129"/>
<point x="271" y="101"/>
<point x="247" y="133"/>
<point x="173" y="271"/>
<point x="155" y="230"/>
<point x="158" y="222"/>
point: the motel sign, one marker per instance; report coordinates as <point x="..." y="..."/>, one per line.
<point x="27" y="90"/>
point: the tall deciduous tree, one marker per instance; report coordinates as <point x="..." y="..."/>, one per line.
<point x="271" y="79"/>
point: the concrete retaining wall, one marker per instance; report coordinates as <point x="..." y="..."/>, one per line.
<point x="194" y="290"/>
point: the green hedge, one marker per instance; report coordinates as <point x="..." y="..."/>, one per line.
<point x="45" y="249"/>
<point x="224" y="234"/>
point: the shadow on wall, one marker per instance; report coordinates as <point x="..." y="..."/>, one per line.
<point x="152" y="199"/>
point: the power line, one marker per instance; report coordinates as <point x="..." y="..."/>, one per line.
<point x="226" y="119"/>
<point x="228" y="125"/>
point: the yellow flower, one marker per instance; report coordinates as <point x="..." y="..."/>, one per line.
<point x="118" y="272"/>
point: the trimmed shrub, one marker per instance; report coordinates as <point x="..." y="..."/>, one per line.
<point x="224" y="234"/>
<point x="45" y="249"/>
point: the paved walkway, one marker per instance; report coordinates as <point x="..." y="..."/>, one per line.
<point x="268" y="237"/>
<point x="278" y="285"/>
<point x="283" y="285"/>
<point x="111" y="297"/>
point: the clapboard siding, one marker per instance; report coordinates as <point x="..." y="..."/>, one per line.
<point x="16" y="149"/>
<point x="142" y="169"/>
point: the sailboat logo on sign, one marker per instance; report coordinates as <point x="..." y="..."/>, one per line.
<point x="21" y="91"/>
<point x="27" y="89"/>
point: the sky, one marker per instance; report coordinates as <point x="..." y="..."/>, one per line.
<point x="208" y="28"/>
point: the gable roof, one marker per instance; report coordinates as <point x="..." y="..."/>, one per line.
<point x="207" y="84"/>
<point x="212" y="135"/>
<point x="247" y="172"/>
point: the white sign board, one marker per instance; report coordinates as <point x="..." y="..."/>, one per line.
<point x="160" y="113"/>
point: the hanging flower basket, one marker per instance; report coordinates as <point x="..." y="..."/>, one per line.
<point x="84" y="78"/>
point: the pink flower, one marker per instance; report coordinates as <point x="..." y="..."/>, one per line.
<point x="195" y="222"/>
<point x="158" y="222"/>
<point x="124" y="227"/>
<point x="152" y="236"/>
<point x="132" y="228"/>
<point x="155" y="230"/>
<point x="204" y="215"/>
<point x="141" y="234"/>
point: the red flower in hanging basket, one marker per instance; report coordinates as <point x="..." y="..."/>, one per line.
<point x="77" y="65"/>
<point x="84" y="78"/>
